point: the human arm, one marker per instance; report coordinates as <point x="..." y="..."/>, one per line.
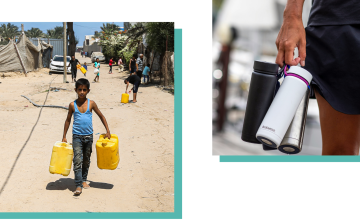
<point x="291" y="35"/>
<point x="102" y="118"/>
<point x="127" y="85"/>
<point x="137" y="66"/>
<point x="68" y="120"/>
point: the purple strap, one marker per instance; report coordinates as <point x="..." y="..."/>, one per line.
<point x="297" y="76"/>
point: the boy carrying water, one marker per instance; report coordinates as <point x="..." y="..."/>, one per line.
<point x="82" y="142"/>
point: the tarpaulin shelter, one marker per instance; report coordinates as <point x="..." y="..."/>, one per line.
<point x="22" y="55"/>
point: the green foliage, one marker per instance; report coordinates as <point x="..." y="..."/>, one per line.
<point x="34" y="33"/>
<point x="135" y="33"/>
<point x="158" y="33"/>
<point x="127" y="53"/>
<point x="4" y="42"/>
<point x="112" y="44"/>
<point x="56" y="33"/>
<point x="109" y="28"/>
<point x="9" y="31"/>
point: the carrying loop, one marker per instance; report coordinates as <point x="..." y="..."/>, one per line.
<point x="282" y="71"/>
<point x="290" y="74"/>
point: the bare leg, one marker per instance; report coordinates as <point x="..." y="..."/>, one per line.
<point x="340" y="132"/>
<point x="134" y="97"/>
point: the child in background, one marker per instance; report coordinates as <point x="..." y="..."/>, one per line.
<point x="82" y="141"/>
<point x="85" y="66"/>
<point x="145" y="72"/>
<point x="110" y="65"/>
<point x="97" y="65"/>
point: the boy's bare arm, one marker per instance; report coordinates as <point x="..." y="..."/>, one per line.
<point x="102" y="118"/>
<point x="68" y="120"/>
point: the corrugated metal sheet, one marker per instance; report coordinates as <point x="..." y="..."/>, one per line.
<point x="58" y="45"/>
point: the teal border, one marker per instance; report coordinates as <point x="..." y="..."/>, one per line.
<point x="289" y="158"/>
<point x="192" y="133"/>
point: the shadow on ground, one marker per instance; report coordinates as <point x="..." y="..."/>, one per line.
<point x="68" y="183"/>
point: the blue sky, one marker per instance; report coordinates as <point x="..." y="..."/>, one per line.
<point x="80" y="28"/>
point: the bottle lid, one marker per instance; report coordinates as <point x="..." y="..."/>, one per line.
<point x="268" y="68"/>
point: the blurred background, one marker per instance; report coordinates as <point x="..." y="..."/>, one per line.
<point x="244" y="31"/>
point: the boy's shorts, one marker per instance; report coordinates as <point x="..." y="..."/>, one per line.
<point x="132" y="70"/>
<point x="136" y="86"/>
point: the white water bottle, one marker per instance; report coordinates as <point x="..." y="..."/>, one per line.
<point x="282" y="110"/>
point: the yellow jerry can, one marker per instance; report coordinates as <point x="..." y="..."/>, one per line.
<point x="107" y="152"/>
<point x="81" y="68"/>
<point x="124" y="98"/>
<point x="61" y="158"/>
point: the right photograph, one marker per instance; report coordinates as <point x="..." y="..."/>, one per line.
<point x="285" y="77"/>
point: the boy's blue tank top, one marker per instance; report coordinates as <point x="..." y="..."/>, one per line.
<point x="82" y="121"/>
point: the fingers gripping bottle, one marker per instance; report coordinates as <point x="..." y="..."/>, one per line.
<point x="261" y="94"/>
<point x="283" y="108"/>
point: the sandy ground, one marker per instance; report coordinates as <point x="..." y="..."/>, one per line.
<point x="144" y="179"/>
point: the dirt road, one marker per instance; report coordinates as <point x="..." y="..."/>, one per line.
<point x="144" y="179"/>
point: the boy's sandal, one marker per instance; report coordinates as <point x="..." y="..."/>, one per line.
<point x="77" y="192"/>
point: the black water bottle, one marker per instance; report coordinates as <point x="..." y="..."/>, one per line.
<point x="261" y="94"/>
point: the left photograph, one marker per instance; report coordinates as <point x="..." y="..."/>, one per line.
<point x="87" y="112"/>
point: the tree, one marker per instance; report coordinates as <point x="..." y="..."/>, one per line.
<point x="112" y="45"/>
<point x="34" y="33"/>
<point x="9" y="31"/>
<point x="50" y="34"/>
<point x="71" y="35"/>
<point x="135" y="34"/>
<point x="160" y="38"/>
<point x="109" y="28"/>
<point x="76" y="40"/>
<point x="56" y="33"/>
<point x="59" y="32"/>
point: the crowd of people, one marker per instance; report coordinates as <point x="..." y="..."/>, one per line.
<point x="137" y="70"/>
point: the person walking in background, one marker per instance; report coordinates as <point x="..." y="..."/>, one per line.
<point x="73" y="62"/>
<point x="121" y="66"/>
<point x="132" y="65"/>
<point x="110" y="65"/>
<point x="146" y="73"/>
<point x="97" y="65"/>
<point x="139" y="66"/>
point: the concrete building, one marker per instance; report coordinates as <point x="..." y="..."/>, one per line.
<point x="91" y="44"/>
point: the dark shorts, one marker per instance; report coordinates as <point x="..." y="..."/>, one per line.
<point x="133" y="70"/>
<point x="332" y="57"/>
<point x="136" y="87"/>
<point x="139" y="74"/>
